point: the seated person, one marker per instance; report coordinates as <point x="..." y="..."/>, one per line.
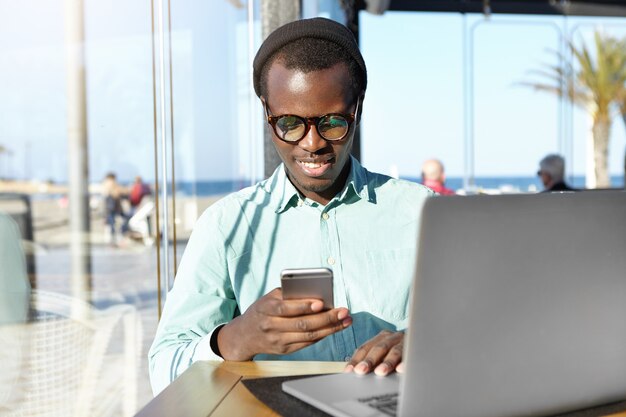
<point x="319" y="208"/>
<point x="552" y="173"/>
<point x="434" y="177"/>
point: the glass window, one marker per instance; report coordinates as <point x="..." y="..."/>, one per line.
<point x="459" y="87"/>
<point x="121" y="122"/>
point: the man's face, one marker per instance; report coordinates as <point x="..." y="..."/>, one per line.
<point x="317" y="168"/>
<point x="546" y="179"/>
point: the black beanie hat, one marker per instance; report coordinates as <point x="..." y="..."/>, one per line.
<point x="317" y="27"/>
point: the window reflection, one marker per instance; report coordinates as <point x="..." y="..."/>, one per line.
<point x="460" y="79"/>
<point x="81" y="335"/>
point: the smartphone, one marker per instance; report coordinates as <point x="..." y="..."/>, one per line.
<point x="308" y="283"/>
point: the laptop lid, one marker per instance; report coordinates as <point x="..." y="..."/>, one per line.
<point x="519" y="306"/>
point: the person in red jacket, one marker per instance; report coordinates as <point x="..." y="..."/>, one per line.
<point x="434" y="177"/>
<point x="137" y="192"/>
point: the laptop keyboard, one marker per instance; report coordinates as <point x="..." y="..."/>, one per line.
<point x="386" y="404"/>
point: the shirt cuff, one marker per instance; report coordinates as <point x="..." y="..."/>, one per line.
<point x="205" y="350"/>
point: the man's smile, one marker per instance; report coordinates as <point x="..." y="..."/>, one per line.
<point x="315" y="167"/>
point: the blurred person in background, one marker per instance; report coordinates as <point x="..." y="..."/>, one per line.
<point x="138" y="191"/>
<point x="434" y="177"/>
<point x="552" y="173"/>
<point x="113" y="192"/>
<point x="141" y="211"/>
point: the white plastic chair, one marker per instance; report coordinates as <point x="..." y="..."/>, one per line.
<point x="66" y="370"/>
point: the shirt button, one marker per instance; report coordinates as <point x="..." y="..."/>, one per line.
<point x="325" y="216"/>
<point x="331" y="260"/>
<point x="299" y="203"/>
<point x="347" y="358"/>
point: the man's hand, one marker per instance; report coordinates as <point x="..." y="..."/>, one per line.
<point x="382" y="354"/>
<point x="276" y="326"/>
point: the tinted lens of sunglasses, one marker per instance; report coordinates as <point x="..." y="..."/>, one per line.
<point x="290" y="128"/>
<point x="333" y="127"/>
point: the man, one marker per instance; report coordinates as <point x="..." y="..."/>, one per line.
<point x="552" y="172"/>
<point x="319" y="208"/>
<point x="138" y="191"/>
<point x="434" y="177"/>
<point x="112" y="192"/>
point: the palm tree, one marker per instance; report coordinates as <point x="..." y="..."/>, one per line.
<point x="622" y="108"/>
<point x="597" y="85"/>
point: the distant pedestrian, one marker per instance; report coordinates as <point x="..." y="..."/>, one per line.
<point x="138" y="191"/>
<point x="113" y="194"/>
<point x="141" y="209"/>
<point x="434" y="177"/>
<point x="552" y="173"/>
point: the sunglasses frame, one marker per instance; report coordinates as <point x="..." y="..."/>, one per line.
<point x="309" y="121"/>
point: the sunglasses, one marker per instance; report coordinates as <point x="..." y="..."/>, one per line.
<point x="292" y="128"/>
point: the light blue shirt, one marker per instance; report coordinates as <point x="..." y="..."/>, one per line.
<point x="367" y="235"/>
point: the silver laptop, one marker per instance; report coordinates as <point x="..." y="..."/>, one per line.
<point x="518" y="308"/>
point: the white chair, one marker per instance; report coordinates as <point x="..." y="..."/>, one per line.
<point x="70" y="364"/>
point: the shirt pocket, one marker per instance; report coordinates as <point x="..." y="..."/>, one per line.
<point x="389" y="277"/>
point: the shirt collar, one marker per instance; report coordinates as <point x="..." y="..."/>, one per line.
<point x="356" y="184"/>
<point x="284" y="195"/>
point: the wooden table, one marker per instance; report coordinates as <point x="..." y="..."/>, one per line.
<point x="213" y="389"/>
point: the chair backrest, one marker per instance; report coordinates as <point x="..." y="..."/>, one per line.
<point x="64" y="348"/>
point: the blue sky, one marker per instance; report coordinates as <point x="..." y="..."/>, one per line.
<point x="414" y="107"/>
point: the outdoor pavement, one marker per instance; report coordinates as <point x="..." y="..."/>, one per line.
<point x="124" y="273"/>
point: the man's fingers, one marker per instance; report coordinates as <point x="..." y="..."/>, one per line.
<point x="381" y="354"/>
<point x="315" y="326"/>
<point x="308" y="330"/>
<point x="290" y="308"/>
<point x="283" y="342"/>
<point x="391" y="361"/>
<point x="274" y="305"/>
<point x="287" y="342"/>
<point x="312" y="336"/>
<point x="297" y="308"/>
<point x="312" y="327"/>
<point x="361" y="352"/>
<point x="338" y="318"/>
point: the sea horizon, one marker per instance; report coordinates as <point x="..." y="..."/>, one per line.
<point x="208" y="188"/>
<point x="502" y="183"/>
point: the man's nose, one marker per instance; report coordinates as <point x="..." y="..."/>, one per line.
<point x="312" y="141"/>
